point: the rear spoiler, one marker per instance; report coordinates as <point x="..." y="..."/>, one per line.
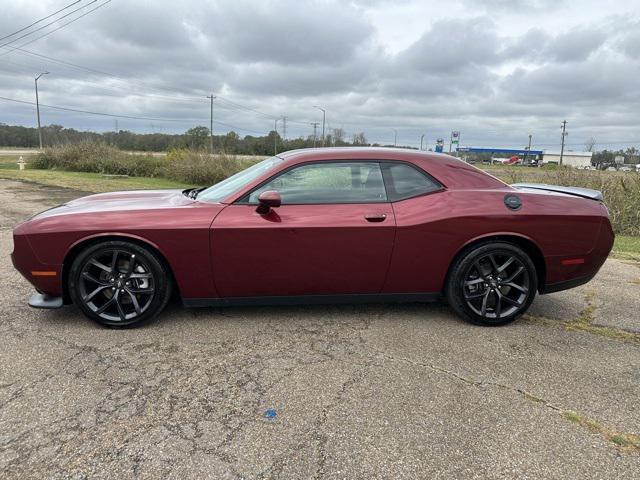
<point x="575" y="191"/>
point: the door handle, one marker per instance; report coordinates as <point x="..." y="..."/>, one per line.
<point x="375" y="217"/>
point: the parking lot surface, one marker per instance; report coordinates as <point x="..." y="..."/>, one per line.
<point x="375" y="391"/>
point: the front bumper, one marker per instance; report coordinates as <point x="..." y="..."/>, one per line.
<point x="47" y="279"/>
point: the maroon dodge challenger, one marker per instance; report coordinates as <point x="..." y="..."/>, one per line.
<point x="319" y="226"/>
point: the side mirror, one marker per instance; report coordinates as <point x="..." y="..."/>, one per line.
<point x="268" y="200"/>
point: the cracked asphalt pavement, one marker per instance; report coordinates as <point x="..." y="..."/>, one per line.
<point x="374" y="391"/>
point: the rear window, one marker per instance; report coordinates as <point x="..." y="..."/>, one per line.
<point x="405" y="181"/>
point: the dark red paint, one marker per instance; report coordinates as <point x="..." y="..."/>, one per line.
<point x="229" y="250"/>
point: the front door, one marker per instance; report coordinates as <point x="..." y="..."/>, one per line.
<point x="333" y="234"/>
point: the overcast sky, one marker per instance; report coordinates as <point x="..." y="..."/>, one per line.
<point x="496" y="70"/>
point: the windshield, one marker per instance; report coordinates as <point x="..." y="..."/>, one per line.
<point x="223" y="189"/>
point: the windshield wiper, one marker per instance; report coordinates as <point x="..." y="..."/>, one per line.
<point x="193" y="192"/>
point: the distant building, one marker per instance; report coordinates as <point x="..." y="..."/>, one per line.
<point x="571" y="158"/>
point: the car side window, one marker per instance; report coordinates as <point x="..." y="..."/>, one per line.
<point x="327" y="182"/>
<point x="405" y="181"/>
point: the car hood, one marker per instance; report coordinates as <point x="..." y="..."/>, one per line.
<point x="121" y="201"/>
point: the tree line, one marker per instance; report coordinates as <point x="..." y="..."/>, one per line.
<point x="195" y="138"/>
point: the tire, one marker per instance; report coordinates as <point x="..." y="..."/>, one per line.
<point x="492" y="284"/>
<point x="115" y="291"/>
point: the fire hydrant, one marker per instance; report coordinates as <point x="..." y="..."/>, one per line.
<point x="21" y="163"/>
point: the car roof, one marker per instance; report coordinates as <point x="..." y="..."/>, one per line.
<point x="450" y="171"/>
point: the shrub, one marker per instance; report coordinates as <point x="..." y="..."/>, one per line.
<point x="200" y="168"/>
<point x="98" y="157"/>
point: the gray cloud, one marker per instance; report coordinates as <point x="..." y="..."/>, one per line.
<point x="576" y="44"/>
<point x="290" y="33"/>
<point x="451" y="45"/>
<point x="496" y="6"/>
<point x="497" y="69"/>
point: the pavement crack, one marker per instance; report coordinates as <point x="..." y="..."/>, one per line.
<point x="586" y="322"/>
<point x="625" y="442"/>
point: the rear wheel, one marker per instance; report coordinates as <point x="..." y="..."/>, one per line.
<point x="119" y="283"/>
<point x="492" y="284"/>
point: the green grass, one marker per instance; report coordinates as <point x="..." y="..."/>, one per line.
<point x="87" y="182"/>
<point x="10" y="162"/>
<point x="627" y="442"/>
<point x="627" y="247"/>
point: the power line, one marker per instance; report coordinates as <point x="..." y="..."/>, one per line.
<point x="230" y="104"/>
<point x="171" y="98"/>
<point x="132" y="117"/>
<point x="48" y="24"/>
<point x="38" y="21"/>
<point x="243" y="107"/>
<point x="58" y="28"/>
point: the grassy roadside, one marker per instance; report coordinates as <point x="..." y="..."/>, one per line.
<point x="88" y="182"/>
<point x="627" y="247"/>
<point x="10" y="162"/>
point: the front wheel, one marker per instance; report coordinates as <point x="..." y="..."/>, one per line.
<point x="119" y="283"/>
<point x="492" y="284"/>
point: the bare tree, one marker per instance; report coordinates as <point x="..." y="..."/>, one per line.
<point x="590" y="144"/>
<point x="338" y="135"/>
<point x="359" y="139"/>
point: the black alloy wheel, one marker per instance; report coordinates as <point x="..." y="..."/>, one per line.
<point x="492" y="284"/>
<point x="119" y="283"/>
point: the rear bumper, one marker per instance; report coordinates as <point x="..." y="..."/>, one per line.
<point x="569" y="271"/>
<point x="567" y="284"/>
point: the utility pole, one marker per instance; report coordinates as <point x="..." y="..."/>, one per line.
<point x="421" y="140"/>
<point x="395" y="137"/>
<point x="315" y="136"/>
<point x="284" y="128"/>
<point x="212" y="98"/>
<point x="38" y="108"/>
<point x="324" y="115"/>
<point x="528" y="150"/>
<point x="275" y="136"/>
<point x="564" y="134"/>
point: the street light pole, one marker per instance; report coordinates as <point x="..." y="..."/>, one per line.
<point x="38" y="108"/>
<point x="324" y="115"/>
<point x="275" y="136"/>
<point x="212" y="98"/>
<point x="421" y="140"/>
<point x="395" y="137"/>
